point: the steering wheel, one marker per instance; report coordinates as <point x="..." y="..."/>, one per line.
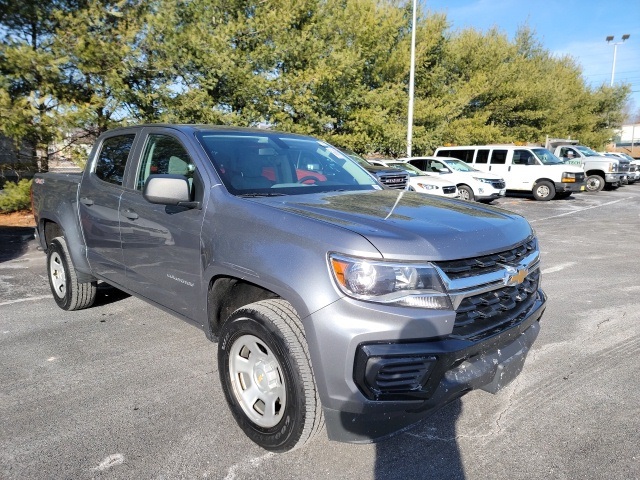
<point x="308" y="178"/>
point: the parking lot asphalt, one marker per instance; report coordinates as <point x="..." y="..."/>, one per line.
<point x="124" y="390"/>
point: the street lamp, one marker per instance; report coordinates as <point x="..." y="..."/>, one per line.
<point x="412" y="72"/>
<point x="609" y="39"/>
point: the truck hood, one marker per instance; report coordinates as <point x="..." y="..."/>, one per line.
<point x="411" y="226"/>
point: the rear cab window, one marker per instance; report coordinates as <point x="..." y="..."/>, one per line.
<point x="112" y="159"/>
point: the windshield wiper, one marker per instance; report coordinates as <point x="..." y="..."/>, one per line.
<point x="265" y="194"/>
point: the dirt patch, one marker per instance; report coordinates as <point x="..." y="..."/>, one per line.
<point x="17" y="219"/>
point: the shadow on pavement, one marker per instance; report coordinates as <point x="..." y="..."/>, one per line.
<point x="427" y="451"/>
<point x="14" y="242"/>
<point x="108" y="294"/>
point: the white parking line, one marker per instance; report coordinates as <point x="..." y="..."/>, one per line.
<point x="557" y="268"/>
<point x="578" y="211"/>
<point x="29" y="299"/>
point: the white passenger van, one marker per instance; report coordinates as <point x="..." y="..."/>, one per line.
<point x="525" y="169"/>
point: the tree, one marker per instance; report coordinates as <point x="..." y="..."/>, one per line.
<point x="30" y="72"/>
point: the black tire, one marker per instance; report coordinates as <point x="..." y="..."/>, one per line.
<point x="68" y="293"/>
<point x="266" y="375"/>
<point x="466" y="193"/>
<point x="544" y="190"/>
<point x="594" y="183"/>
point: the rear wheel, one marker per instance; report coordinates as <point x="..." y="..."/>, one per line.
<point x="466" y="193"/>
<point x="68" y="293"/>
<point x="594" y="183"/>
<point x="266" y="375"/>
<point x="544" y="190"/>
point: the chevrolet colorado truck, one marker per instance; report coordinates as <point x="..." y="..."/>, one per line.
<point x="333" y="301"/>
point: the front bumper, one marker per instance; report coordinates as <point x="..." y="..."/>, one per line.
<point x="492" y="196"/>
<point x="614" y="178"/>
<point x="570" y="187"/>
<point x="453" y="367"/>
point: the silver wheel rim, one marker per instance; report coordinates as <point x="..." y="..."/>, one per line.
<point x="543" y="191"/>
<point x="593" y="184"/>
<point x="464" y="195"/>
<point x="57" y="275"/>
<point x="257" y="381"/>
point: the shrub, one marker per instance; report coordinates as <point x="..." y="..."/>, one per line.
<point x="16" y="196"/>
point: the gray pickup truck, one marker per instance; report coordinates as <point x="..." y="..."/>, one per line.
<point x="333" y="299"/>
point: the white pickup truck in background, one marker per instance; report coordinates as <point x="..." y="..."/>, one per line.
<point x="600" y="170"/>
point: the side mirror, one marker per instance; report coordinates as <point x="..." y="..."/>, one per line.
<point x="169" y="190"/>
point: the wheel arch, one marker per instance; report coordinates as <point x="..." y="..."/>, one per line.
<point x="595" y="171"/>
<point x="543" y="179"/>
<point x="50" y="228"/>
<point x="225" y="295"/>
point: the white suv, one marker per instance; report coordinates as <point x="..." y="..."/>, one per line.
<point x="423" y="182"/>
<point x="472" y="184"/>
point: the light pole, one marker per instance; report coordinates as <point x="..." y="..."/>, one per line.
<point x="615" y="51"/>
<point x="412" y="71"/>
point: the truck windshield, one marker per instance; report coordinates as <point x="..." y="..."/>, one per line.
<point x="586" y="151"/>
<point x="273" y="163"/>
<point x="546" y="157"/>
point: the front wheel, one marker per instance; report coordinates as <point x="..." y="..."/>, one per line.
<point x="266" y="375"/>
<point x="544" y="190"/>
<point x="68" y="293"/>
<point x="594" y="183"/>
<point x="466" y="193"/>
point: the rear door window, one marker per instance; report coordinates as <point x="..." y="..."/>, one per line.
<point x="482" y="156"/>
<point x="113" y="157"/>
<point x="498" y="157"/>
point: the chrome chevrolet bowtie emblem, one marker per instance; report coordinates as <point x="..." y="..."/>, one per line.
<point x="515" y="276"/>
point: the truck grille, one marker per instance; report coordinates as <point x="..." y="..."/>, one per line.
<point x="488" y="297"/>
<point x="471" y="267"/>
<point x="449" y="190"/>
<point x="488" y="313"/>
<point x="624" y="167"/>
<point x="397" y="181"/>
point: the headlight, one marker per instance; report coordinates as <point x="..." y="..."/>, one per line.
<point x="568" y="177"/>
<point x="427" y="186"/>
<point x="613" y="167"/>
<point x="387" y="282"/>
<point x="483" y="180"/>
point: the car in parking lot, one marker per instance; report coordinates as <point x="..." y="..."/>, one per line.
<point x="634" y="165"/>
<point x="395" y="178"/>
<point x="472" y="183"/>
<point x="525" y="169"/>
<point x="423" y="182"/>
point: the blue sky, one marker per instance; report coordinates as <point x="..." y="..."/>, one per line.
<point x="570" y="27"/>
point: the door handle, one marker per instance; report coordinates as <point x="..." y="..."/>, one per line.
<point x="86" y="201"/>
<point x="130" y="214"/>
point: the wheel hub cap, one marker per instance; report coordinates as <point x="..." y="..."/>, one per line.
<point x="58" y="277"/>
<point x="266" y="375"/>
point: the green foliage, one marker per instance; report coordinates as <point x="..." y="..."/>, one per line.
<point x="337" y="69"/>
<point x="15" y="196"/>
